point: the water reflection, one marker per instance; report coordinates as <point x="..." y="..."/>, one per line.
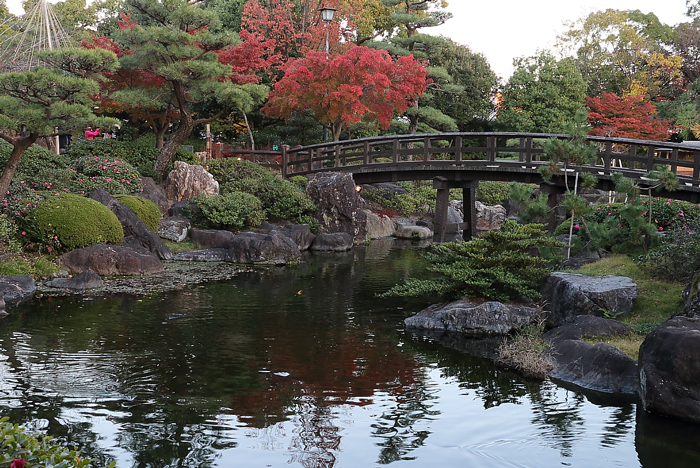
<point x="302" y="367"/>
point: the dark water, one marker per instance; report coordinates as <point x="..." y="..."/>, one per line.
<point x="300" y="367"/>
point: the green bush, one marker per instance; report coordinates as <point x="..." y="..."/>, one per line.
<point x="678" y="255"/>
<point x="235" y="211"/>
<point x="114" y="175"/>
<point x="280" y="198"/>
<point x="68" y="222"/>
<point x="37" y="267"/>
<point x="146" y="210"/>
<point x="8" y="235"/>
<point x="492" y="192"/>
<point x="36" y="450"/>
<point x="496" y="266"/>
<point x="34" y="159"/>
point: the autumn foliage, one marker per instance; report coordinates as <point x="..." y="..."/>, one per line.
<point x="344" y="89"/>
<point x="626" y="117"/>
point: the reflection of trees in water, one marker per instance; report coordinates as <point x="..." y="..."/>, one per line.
<point x="558" y="422"/>
<point x="317" y="437"/>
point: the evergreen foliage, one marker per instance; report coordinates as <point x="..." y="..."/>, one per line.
<point x="497" y="265"/>
<point x="233" y="210"/>
<point x="145" y="209"/>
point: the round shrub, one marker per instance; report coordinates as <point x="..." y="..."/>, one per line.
<point x="68" y="222"/>
<point x="145" y="209"/>
<point x="34" y="159"/>
<point x="233" y="211"/>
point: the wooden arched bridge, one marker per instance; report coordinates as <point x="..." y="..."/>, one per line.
<point x="461" y="160"/>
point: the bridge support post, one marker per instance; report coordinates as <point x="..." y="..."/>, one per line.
<point x="468" y="227"/>
<point x="441" y="205"/>
<point x="553" y="192"/>
<point x="469" y="208"/>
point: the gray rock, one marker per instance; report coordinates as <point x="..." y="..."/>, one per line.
<point x="208" y="255"/>
<point x="600" y="367"/>
<point x="332" y="242"/>
<point x="425" y="223"/>
<point x="454" y="219"/>
<point x="300" y="233"/>
<point x="669" y="369"/>
<point x="568" y="295"/>
<point x="338" y="204"/>
<point x="489" y="217"/>
<point x="185" y="209"/>
<point x="187" y="181"/>
<point x="470" y="319"/>
<point x="585" y="326"/>
<point x="155" y="193"/>
<point x="173" y="228"/>
<point x="212" y="238"/>
<point x="88" y="279"/>
<point x="379" y="226"/>
<point x="268" y="249"/>
<point x="413" y="232"/>
<point x="111" y="260"/>
<point x="136" y="233"/>
<point x="16" y="289"/>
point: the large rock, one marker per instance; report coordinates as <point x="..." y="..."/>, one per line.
<point x="300" y="233"/>
<point x="207" y="255"/>
<point x="600" y="367"/>
<point x="338" y="204"/>
<point x="454" y="219"/>
<point x="212" y="238"/>
<point x="413" y="232"/>
<point x="585" y="326"/>
<point x="332" y="242"/>
<point x="471" y="319"/>
<point x="489" y="217"/>
<point x="88" y="279"/>
<point x="136" y="233"/>
<point x="187" y="181"/>
<point x="379" y="226"/>
<point x="156" y="194"/>
<point x="111" y="260"/>
<point x="669" y="369"/>
<point x="174" y="228"/>
<point x="268" y="249"/>
<point x="15" y="289"/>
<point x="185" y="209"/>
<point x="568" y="295"/>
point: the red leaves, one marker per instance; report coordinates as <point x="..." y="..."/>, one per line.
<point x="628" y="117"/>
<point x="249" y="57"/>
<point x="342" y="89"/>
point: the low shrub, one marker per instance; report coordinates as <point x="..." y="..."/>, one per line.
<point x="235" y="211"/>
<point x="68" y="221"/>
<point x="8" y="235"/>
<point x="678" y="254"/>
<point x="524" y="352"/>
<point x="20" y="449"/>
<point x="146" y="210"/>
<point x="116" y="176"/>
<point x="492" y="192"/>
<point x="38" y="267"/>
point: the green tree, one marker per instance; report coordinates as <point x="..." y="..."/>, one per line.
<point x="173" y="42"/>
<point x="33" y="104"/>
<point x="542" y="95"/>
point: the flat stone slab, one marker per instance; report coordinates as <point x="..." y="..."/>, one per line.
<point x="471" y="319"/>
<point x="413" y="232"/>
<point x="206" y="255"/>
<point x="88" y="279"/>
<point x="568" y="295"/>
<point x="15" y="289"/>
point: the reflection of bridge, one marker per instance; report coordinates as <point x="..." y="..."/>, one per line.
<point x="461" y="160"/>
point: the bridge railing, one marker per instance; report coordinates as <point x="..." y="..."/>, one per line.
<point x="484" y="150"/>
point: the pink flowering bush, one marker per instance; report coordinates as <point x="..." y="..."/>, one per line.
<point x="114" y="175"/>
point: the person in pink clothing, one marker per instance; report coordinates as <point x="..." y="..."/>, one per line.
<point x="90" y="134"/>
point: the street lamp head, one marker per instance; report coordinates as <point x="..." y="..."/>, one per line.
<point x="327" y="14"/>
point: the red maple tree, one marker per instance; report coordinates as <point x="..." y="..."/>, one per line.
<point x="345" y="88"/>
<point x="626" y="117"/>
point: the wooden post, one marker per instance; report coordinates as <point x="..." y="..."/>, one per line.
<point x="491" y="149"/>
<point x="469" y="209"/>
<point x="285" y="161"/>
<point x="395" y="150"/>
<point x="553" y="193"/>
<point x="458" y="149"/>
<point x="441" y="205"/>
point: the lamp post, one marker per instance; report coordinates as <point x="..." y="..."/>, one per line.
<point x="327" y="16"/>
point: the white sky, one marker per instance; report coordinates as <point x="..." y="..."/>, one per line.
<point x="505" y="29"/>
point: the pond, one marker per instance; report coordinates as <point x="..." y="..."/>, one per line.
<point x="301" y="367"/>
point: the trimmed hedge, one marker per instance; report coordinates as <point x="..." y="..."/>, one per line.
<point x="69" y="222"/>
<point x="145" y="209"/>
<point x="235" y="211"/>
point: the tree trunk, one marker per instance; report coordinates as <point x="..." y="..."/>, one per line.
<point x="177" y="138"/>
<point x="19" y="147"/>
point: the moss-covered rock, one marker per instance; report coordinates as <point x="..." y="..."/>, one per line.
<point x="72" y="221"/>
<point x="146" y="210"/>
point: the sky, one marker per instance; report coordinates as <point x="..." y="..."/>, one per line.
<point x="505" y="29"/>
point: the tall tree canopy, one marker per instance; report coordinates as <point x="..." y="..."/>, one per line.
<point x="345" y="88"/>
<point x="172" y="44"/>
<point x="626" y="117"/>
<point x="542" y="95"/>
<point x="33" y="104"/>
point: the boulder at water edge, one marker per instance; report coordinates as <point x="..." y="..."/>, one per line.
<point x="471" y="319"/>
<point x="207" y="255"/>
<point x="413" y="232"/>
<point x="268" y="249"/>
<point x="212" y="238"/>
<point x="669" y="369"/>
<point x="15" y="289"/>
<point x="136" y="233"/>
<point x="174" y="228"/>
<point x="568" y="295"/>
<point x="338" y="204"/>
<point x="379" y="226"/>
<point x="300" y="233"/>
<point x="332" y="242"/>
<point x="187" y="181"/>
<point x="111" y="260"/>
<point x="88" y="279"/>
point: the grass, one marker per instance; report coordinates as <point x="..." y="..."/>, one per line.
<point x="657" y="300"/>
<point x="36" y="266"/>
<point x="184" y="246"/>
